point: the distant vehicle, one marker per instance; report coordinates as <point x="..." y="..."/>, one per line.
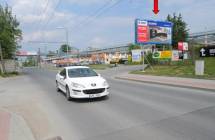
<point x="114" y="61"/>
<point x="81" y="82"/>
<point x="96" y="62"/>
<point x="84" y="63"/>
<point x="123" y="61"/>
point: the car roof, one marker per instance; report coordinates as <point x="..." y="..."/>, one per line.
<point x="75" y="67"/>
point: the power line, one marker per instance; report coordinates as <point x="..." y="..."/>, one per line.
<point x="97" y="14"/>
<point x="104" y="8"/>
<point x="43" y="12"/>
<point x="98" y="10"/>
<point x="45" y="42"/>
<point x="52" y="14"/>
<point x="50" y="17"/>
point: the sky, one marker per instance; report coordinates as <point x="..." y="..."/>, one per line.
<point x="98" y="23"/>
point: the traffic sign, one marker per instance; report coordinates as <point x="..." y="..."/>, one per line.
<point x="207" y="51"/>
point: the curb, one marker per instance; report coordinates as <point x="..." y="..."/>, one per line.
<point x="18" y="128"/>
<point x="166" y="84"/>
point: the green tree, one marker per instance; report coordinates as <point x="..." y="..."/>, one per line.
<point x="63" y="48"/>
<point x="180" y="31"/>
<point x="133" y="47"/>
<point x="30" y="61"/>
<point x="51" y="53"/>
<point x="10" y="33"/>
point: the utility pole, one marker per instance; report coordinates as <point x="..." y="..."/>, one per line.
<point x="67" y="42"/>
<point x="143" y="57"/>
<point x="39" y="65"/>
<point x="193" y="51"/>
<point x="67" y="39"/>
<point x="206" y="37"/>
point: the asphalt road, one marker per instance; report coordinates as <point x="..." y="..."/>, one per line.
<point x="133" y="111"/>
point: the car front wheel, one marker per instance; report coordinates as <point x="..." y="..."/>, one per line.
<point x="57" y="87"/>
<point x="68" y="97"/>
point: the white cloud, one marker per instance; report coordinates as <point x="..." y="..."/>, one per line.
<point x="115" y="26"/>
<point x="97" y="42"/>
<point x="86" y="2"/>
<point x="49" y="35"/>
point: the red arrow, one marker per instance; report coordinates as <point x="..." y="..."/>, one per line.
<point x="156" y="9"/>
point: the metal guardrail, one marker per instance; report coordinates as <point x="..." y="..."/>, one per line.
<point x="199" y="34"/>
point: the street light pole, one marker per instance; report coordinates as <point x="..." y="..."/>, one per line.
<point x="67" y="39"/>
<point x="67" y="42"/>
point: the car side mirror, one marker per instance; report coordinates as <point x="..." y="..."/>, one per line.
<point x="64" y="77"/>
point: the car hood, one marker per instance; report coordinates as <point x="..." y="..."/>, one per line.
<point x="88" y="81"/>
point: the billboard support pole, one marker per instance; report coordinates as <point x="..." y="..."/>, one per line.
<point x="149" y="63"/>
<point x="143" y="56"/>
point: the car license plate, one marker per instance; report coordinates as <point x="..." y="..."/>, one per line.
<point x="94" y="95"/>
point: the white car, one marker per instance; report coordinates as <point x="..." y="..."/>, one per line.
<point x="81" y="82"/>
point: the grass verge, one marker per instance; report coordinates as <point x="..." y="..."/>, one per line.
<point x="100" y="66"/>
<point x="182" y="70"/>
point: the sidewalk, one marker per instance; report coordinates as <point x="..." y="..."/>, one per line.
<point x="13" y="127"/>
<point x="172" y="81"/>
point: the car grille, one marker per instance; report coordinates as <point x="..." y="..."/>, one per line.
<point x="94" y="91"/>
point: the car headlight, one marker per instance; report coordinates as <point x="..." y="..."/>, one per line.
<point x="105" y="84"/>
<point x="76" y="85"/>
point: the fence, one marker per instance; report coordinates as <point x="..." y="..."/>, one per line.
<point x="10" y="66"/>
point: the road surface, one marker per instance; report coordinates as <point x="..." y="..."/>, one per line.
<point x="133" y="111"/>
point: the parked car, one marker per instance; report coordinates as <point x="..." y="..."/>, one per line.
<point x="114" y="61"/>
<point x="84" y="63"/>
<point x="123" y="61"/>
<point x="81" y="82"/>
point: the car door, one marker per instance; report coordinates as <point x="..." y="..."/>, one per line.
<point x="62" y="80"/>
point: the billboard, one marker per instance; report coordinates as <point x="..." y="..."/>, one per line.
<point x="162" y="54"/>
<point x="183" y="46"/>
<point x="136" y="55"/>
<point x="175" y="55"/>
<point x="153" y="32"/>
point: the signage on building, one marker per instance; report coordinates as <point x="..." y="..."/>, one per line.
<point x="153" y="32"/>
<point x="207" y="51"/>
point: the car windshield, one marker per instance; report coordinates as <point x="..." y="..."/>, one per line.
<point x="81" y="72"/>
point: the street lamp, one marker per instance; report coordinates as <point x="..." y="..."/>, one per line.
<point x="67" y="39"/>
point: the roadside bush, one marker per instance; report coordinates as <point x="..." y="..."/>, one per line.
<point x="8" y="74"/>
<point x="150" y="59"/>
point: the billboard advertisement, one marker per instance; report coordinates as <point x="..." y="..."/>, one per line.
<point x="153" y="32"/>
<point x="175" y="55"/>
<point x="136" y="55"/>
<point x="162" y="54"/>
<point x="183" y="46"/>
